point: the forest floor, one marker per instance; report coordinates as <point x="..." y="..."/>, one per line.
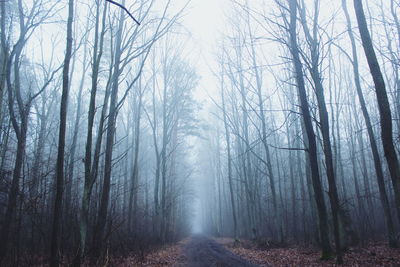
<point x="199" y="251"/>
<point x="372" y="254"/>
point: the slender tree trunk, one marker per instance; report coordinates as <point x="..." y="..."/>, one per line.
<point x="5" y="139"/>
<point x="383" y="103"/>
<point x="89" y="178"/>
<point x="135" y="170"/>
<point x="15" y="183"/>
<point x="156" y="222"/>
<point x="374" y="147"/>
<point x="20" y="128"/>
<point x="292" y="186"/>
<point x="361" y="208"/>
<point x="365" y="175"/>
<point x="71" y="163"/>
<point x="312" y="150"/>
<point x="324" y="126"/>
<point x="163" y="156"/>
<point x="228" y="144"/>
<point x="111" y="127"/>
<point x="55" y="243"/>
<point x="36" y="166"/>
<point x="276" y="216"/>
<point x="247" y="168"/>
<point x="218" y="169"/>
<point x="302" y="178"/>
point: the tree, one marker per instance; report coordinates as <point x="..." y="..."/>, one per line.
<point x="90" y="175"/>
<point x="110" y="132"/>
<point x="59" y="179"/>
<point x="312" y="146"/>
<point x="228" y="144"/>
<point x="314" y="64"/>
<point x="19" y="102"/>
<point x="371" y="135"/>
<point x="383" y="102"/>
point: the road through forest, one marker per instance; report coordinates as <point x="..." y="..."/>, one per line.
<point x="201" y="251"/>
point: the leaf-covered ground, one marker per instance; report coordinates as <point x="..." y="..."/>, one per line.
<point x="374" y="254"/>
<point x="171" y="255"/>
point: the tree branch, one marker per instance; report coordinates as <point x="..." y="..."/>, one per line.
<point x="125" y="9"/>
<point x="290" y="148"/>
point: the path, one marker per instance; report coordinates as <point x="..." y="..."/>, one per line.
<point x="201" y="251"/>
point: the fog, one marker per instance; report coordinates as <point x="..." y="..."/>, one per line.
<point x="129" y="125"/>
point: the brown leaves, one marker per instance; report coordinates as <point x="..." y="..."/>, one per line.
<point x="167" y="256"/>
<point x="374" y="254"/>
<point x="371" y="255"/>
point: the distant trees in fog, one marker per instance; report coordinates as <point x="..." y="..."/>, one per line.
<point x="299" y="108"/>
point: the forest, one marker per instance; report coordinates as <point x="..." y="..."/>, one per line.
<point x="199" y="133"/>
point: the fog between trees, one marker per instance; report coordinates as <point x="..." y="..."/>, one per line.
<point x="115" y="140"/>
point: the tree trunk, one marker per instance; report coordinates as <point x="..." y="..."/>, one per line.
<point x="89" y="178"/>
<point x="228" y="144"/>
<point x="324" y="126"/>
<point x="318" y="192"/>
<point x="20" y="129"/>
<point x="276" y="216"/>
<point x="54" y="259"/>
<point x="383" y="103"/>
<point x="111" y="127"/>
<point x="135" y="170"/>
<point x="14" y="190"/>
<point x="71" y="161"/>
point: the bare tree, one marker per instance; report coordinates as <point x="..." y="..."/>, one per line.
<point x="54" y="256"/>
<point x="230" y="178"/>
<point x="314" y="64"/>
<point x="312" y="146"/>
<point x="19" y="103"/>
<point x="371" y="135"/>
<point x="382" y="100"/>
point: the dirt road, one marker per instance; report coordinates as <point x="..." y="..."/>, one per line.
<point x="201" y="251"/>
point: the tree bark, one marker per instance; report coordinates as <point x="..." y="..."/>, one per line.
<point x="20" y="128"/>
<point x="324" y="126"/>
<point x="135" y="169"/>
<point x="59" y="179"/>
<point x="312" y="150"/>
<point x="111" y="127"/>
<point x="383" y="103"/>
<point x="89" y="175"/>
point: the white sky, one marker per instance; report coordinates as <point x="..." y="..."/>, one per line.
<point x="204" y="20"/>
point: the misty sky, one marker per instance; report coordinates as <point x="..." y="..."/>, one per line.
<point x="204" y="20"/>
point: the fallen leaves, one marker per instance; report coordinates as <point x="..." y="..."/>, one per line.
<point x="375" y="254"/>
<point x="168" y="256"/>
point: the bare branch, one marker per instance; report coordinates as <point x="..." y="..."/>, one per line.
<point x="125" y="9"/>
